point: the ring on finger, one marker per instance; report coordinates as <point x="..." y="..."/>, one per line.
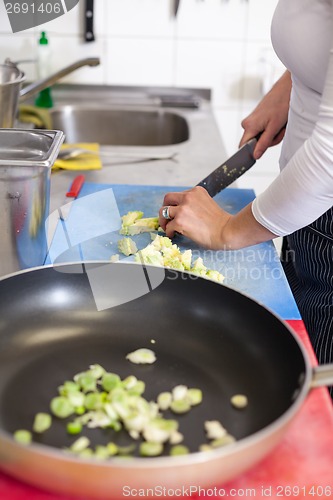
<point x="166" y="213"/>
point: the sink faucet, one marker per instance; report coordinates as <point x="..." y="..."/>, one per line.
<point x="35" y="87"/>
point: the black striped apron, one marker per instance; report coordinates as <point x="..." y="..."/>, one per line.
<point x="307" y="258"/>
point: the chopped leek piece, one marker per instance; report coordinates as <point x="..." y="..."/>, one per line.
<point x="180" y="406"/>
<point x="74" y="427"/>
<point x="97" y="371"/>
<point x="214" y="429"/>
<point x="42" y="422"/>
<point x="80" y="444"/>
<point x="61" y="407"/>
<point x="110" y="381"/>
<point x="142" y="356"/>
<point x="164" y="400"/>
<point x="179" y="449"/>
<point x="223" y="441"/>
<point x="86" y="381"/>
<point x="112" y="449"/>
<point x="148" y="449"/>
<point x="23" y="437"/>
<point x="239" y="401"/>
<point x="194" y="396"/>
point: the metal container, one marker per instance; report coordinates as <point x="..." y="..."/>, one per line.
<point x="11" y="79"/>
<point x="26" y="158"/>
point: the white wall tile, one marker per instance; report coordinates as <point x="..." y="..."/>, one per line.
<point x="212" y="19"/>
<point x="19" y="46"/>
<point x="211" y="64"/>
<point x="147" y="18"/>
<point x="136" y="61"/>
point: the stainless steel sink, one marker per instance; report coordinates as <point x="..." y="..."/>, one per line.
<point x="119" y="126"/>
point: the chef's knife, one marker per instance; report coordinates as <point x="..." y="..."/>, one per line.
<point x="231" y="169"/>
<point x="71" y="195"/>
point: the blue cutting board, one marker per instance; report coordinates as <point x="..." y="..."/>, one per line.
<point x="91" y="232"/>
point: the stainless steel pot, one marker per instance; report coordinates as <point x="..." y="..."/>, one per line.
<point x="12" y="78"/>
<point x="26" y="158"/>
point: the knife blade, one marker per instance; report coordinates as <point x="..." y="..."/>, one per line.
<point x="70" y="196"/>
<point x="231" y="169"/>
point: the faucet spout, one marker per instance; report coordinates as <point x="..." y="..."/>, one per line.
<point x="35" y="87"/>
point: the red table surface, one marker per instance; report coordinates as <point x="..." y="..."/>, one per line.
<point x="300" y="466"/>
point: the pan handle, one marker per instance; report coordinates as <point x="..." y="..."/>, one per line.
<point x="322" y="376"/>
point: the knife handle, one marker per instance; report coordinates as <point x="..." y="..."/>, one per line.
<point x="76" y="186"/>
<point x="89" y="21"/>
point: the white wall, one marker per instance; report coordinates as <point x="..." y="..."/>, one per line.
<point x="220" y="44"/>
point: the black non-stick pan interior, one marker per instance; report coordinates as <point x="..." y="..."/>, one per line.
<point x="205" y="335"/>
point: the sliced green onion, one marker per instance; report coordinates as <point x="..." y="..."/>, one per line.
<point x="23" y="437"/>
<point x="148" y="449"/>
<point x="42" y="422"/>
<point x="61" y="407"/>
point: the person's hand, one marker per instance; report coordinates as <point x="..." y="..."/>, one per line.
<point x="269" y="118"/>
<point x="195" y="215"/>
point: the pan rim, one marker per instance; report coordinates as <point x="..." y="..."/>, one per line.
<point x="166" y="462"/>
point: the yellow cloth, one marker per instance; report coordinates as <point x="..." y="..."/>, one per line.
<point x="86" y="161"/>
<point x="40" y="117"/>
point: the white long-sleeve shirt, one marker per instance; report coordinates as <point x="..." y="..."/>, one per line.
<point x="302" y="36"/>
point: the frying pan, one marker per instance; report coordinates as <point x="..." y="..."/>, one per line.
<point x="206" y="335"/>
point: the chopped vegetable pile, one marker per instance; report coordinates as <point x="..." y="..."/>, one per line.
<point x="161" y="251"/>
<point x="100" y="399"/>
